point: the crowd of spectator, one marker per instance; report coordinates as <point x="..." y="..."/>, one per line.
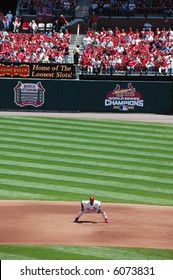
<point x="110" y="51"/>
<point x="105" y="51"/>
<point x="35" y="47"/>
<point x="14" y="23"/>
<point x="48" y="7"/>
<point x="131" y="7"/>
<point x="101" y="7"/>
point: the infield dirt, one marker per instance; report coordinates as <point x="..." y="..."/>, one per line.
<point x="52" y="222"/>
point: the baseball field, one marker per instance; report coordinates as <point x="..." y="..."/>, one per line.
<point x="50" y="162"/>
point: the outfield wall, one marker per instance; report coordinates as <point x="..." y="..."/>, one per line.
<point x="86" y="96"/>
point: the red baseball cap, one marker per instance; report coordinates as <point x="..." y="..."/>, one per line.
<point x="92" y="198"/>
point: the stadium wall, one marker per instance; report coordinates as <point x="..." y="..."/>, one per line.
<point x="134" y="22"/>
<point x="86" y="95"/>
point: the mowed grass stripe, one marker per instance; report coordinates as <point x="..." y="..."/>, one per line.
<point x="86" y="175"/>
<point x="89" y="132"/>
<point x="95" y="181"/>
<point x="78" y="176"/>
<point x="36" y="160"/>
<point x="59" y="192"/>
<point x="116" y="184"/>
<point x="89" y="148"/>
<point x="24" y="194"/>
<point x="69" y="153"/>
<point x="84" y="124"/>
<point x="51" y="252"/>
<point x="95" y="139"/>
<point x="55" y="168"/>
<point x="58" y="169"/>
<point x="86" y="172"/>
<point x="79" y="128"/>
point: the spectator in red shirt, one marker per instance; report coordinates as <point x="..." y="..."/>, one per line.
<point x="131" y="66"/>
<point x="94" y="20"/>
<point x="67" y="35"/>
<point x="62" y="21"/>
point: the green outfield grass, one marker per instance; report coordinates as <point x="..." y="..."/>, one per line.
<point x="44" y="158"/>
<point x="45" y="252"/>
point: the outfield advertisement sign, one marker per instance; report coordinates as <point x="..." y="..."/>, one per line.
<point x="124" y="99"/>
<point x="37" y="70"/>
<point x="86" y="96"/>
<point x="29" y="94"/>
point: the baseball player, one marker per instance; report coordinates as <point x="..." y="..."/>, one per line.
<point x="91" y="206"/>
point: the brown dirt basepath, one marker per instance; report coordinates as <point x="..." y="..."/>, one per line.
<point x="140" y="117"/>
<point x="52" y="222"/>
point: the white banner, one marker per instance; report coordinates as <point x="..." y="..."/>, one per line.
<point x="97" y="270"/>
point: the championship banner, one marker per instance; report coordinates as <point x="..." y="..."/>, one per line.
<point x="124" y="99"/>
<point x="37" y="70"/>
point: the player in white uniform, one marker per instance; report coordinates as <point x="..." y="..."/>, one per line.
<point x="91" y="206"/>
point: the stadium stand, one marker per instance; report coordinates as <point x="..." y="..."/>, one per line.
<point x="106" y="50"/>
<point x="139" y="51"/>
<point x="28" y="47"/>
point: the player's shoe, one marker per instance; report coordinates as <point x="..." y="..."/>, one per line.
<point x="106" y="221"/>
<point x="76" y="220"/>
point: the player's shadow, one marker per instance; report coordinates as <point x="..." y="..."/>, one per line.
<point x="87" y="222"/>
